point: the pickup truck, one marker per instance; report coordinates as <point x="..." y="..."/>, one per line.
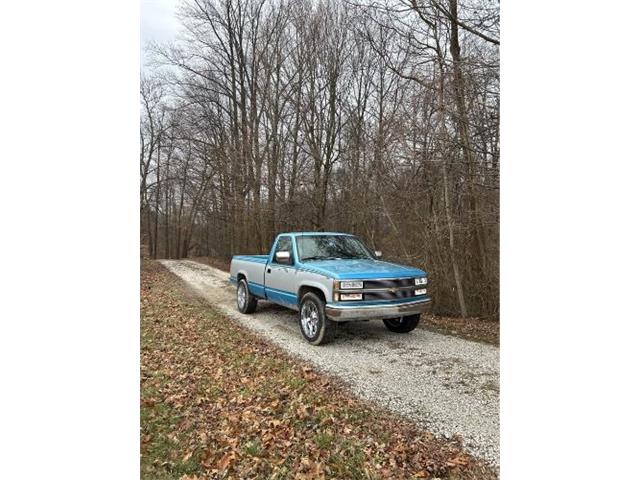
<point x="330" y="278"/>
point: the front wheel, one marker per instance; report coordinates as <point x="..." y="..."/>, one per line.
<point x="247" y="303"/>
<point x="402" y="324"/>
<point x="315" y="327"/>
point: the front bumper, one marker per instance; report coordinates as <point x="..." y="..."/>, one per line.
<point x="345" y="313"/>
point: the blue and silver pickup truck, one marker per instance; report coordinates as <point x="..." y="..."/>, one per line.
<point x="329" y="278"/>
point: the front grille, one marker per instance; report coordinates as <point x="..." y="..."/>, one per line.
<point x="389" y="295"/>
<point x="389" y="283"/>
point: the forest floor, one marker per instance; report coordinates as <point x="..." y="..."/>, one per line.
<point x="477" y="329"/>
<point x="218" y="401"/>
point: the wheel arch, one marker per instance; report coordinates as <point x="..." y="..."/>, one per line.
<point x="315" y="288"/>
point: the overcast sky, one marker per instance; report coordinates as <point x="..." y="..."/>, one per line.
<point x="157" y="24"/>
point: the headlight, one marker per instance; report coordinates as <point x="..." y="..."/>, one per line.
<point x="421" y="281"/>
<point x="352" y="284"/>
<point x="421" y="291"/>
<point x="350" y="296"/>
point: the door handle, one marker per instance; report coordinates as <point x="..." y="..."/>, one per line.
<point x="268" y="270"/>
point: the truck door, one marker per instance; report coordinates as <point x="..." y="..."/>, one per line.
<point x="279" y="279"/>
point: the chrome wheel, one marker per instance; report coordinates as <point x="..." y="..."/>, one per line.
<point x="310" y="319"/>
<point x="242" y="296"/>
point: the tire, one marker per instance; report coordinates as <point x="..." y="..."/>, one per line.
<point x="402" y="324"/>
<point x="246" y="302"/>
<point x="315" y="327"/>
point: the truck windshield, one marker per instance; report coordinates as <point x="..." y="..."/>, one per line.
<point x="330" y="247"/>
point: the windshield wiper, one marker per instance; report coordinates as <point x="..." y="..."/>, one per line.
<point x="318" y="257"/>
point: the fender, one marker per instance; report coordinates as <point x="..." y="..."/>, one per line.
<point x="316" y="284"/>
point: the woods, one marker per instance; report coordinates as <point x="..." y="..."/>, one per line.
<point x="378" y="118"/>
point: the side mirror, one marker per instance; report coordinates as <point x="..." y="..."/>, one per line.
<point x="283" y="257"/>
<point x="378" y="254"/>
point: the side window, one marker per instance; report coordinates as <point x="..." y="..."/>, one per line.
<point x="283" y="245"/>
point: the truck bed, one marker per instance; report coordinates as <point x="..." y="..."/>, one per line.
<point x="252" y="267"/>
<point x="253" y="258"/>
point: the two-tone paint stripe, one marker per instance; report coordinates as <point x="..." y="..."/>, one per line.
<point x="281" y="296"/>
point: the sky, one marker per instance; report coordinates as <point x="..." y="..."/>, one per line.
<point x="157" y="24"/>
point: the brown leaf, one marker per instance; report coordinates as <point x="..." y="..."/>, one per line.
<point x="458" y="461"/>
<point x="226" y="460"/>
<point x="207" y="457"/>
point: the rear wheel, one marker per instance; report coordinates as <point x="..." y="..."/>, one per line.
<point x="402" y="324"/>
<point x="315" y="327"/>
<point x="247" y="303"/>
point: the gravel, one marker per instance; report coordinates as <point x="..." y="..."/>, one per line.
<point x="444" y="384"/>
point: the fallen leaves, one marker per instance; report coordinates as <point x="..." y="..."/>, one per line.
<point x="478" y="329"/>
<point x="218" y="402"/>
<point x="459" y="460"/>
<point x="225" y="461"/>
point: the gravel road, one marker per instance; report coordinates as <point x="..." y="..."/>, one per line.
<point x="444" y="384"/>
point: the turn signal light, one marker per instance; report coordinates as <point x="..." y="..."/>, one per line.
<point x="351" y="296"/>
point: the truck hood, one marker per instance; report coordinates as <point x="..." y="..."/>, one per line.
<point x="361" y="269"/>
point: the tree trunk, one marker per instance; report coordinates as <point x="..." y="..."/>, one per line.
<point x="454" y="262"/>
